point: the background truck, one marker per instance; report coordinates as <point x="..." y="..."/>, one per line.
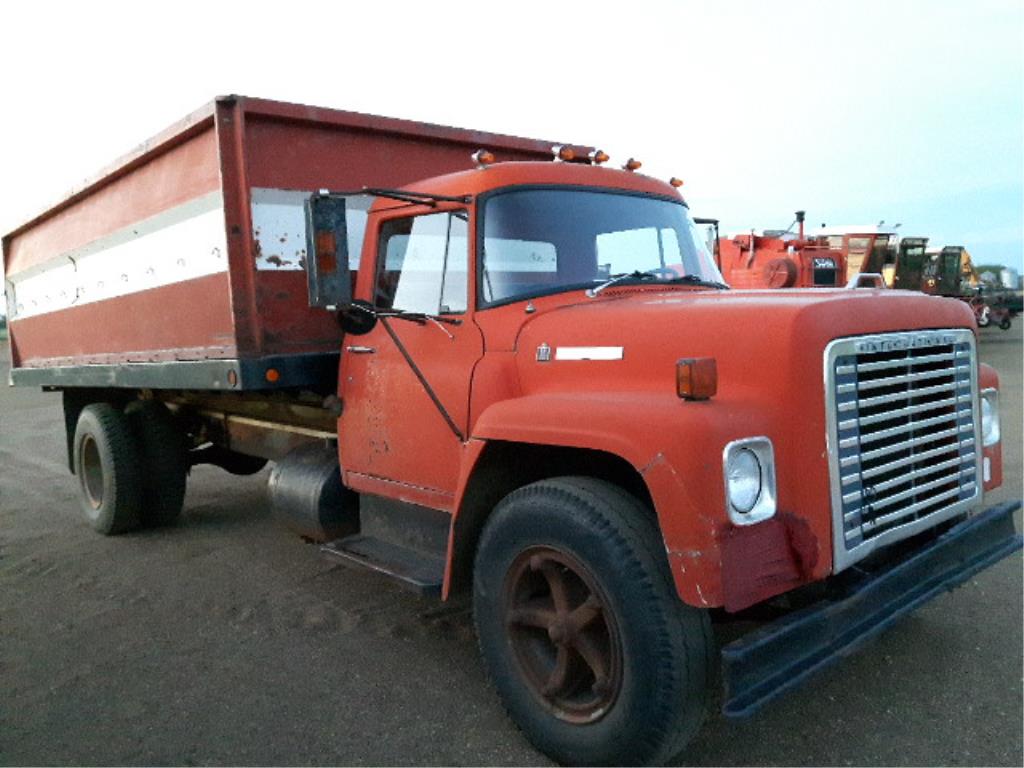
<point x="483" y="367"/>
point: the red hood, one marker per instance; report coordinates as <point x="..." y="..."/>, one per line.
<point x="757" y="337"/>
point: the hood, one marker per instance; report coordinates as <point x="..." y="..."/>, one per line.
<point x="756" y="337"/>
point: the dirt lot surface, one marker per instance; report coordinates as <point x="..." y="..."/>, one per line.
<point x="226" y="640"/>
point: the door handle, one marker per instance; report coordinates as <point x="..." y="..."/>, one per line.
<point x="357" y="350"/>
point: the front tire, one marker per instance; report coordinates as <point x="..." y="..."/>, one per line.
<point x="107" y="467"/>
<point x="581" y="629"/>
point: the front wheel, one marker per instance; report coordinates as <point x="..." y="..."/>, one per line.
<point x="1005" y="324"/>
<point x="581" y="629"/>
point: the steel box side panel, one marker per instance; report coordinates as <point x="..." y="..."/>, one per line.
<point x="186" y="319"/>
<point x="344" y="152"/>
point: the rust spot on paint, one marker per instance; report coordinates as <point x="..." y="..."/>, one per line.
<point x="257" y="249"/>
<point x="802" y="541"/>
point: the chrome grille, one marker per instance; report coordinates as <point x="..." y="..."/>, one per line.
<point x="904" y="438"/>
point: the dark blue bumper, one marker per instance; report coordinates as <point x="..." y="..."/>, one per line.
<point x="780" y="656"/>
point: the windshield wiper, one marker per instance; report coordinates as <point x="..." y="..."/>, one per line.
<point x="696" y="280"/>
<point x="654" y="274"/>
<point x="635" y="274"/>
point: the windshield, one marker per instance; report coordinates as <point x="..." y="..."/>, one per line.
<point x="541" y="241"/>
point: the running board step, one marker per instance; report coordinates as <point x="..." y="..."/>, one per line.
<point x="411" y="568"/>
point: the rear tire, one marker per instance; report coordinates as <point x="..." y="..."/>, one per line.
<point x="1005" y="324"/>
<point x="164" y="461"/>
<point x="106" y="463"/>
<point x="645" y="697"/>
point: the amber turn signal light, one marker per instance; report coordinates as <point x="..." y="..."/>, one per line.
<point x="696" y="378"/>
<point x="598" y="156"/>
<point x="632" y="164"/>
<point x="676" y="182"/>
<point x="326" y="251"/>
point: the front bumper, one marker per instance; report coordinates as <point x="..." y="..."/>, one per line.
<point x="766" y="663"/>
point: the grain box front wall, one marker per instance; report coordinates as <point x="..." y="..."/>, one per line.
<point x="135" y="271"/>
<point x="285" y="160"/>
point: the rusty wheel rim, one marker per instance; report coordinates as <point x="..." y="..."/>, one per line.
<point x="91" y="471"/>
<point x="563" y="634"/>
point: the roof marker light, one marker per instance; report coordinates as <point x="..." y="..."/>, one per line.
<point x="483" y="158"/>
<point x="598" y="156"/>
<point x="631" y="165"/>
<point x="676" y="182"/>
<point x="563" y="154"/>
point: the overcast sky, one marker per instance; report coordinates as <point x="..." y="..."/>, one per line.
<point x="911" y="112"/>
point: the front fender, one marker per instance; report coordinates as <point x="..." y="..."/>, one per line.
<point x="676" y="447"/>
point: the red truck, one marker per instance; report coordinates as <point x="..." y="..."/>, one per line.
<point x="484" y="369"/>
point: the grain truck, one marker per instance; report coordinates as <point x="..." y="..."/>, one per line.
<point x="482" y="366"/>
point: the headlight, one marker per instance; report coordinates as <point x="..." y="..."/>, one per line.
<point x="744" y="477"/>
<point x="749" y="467"/>
<point x="989" y="417"/>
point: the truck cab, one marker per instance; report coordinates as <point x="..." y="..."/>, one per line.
<point x="908" y="273"/>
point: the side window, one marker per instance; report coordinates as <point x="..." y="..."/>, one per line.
<point x="422" y="264"/>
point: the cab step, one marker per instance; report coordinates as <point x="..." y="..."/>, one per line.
<point x="411" y="568"/>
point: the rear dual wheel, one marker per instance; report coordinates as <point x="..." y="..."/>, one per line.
<point x="581" y="629"/>
<point x="131" y="466"/>
<point x="105" y="458"/>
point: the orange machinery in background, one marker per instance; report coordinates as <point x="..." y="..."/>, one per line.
<point x="780" y="259"/>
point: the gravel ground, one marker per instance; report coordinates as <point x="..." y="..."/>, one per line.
<point x="226" y="640"/>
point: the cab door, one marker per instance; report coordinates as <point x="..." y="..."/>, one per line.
<point x="405" y="385"/>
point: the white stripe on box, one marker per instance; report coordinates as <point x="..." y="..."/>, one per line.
<point x="180" y="244"/>
<point x="279" y="227"/>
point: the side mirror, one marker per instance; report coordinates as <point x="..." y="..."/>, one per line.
<point x="327" y="251"/>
